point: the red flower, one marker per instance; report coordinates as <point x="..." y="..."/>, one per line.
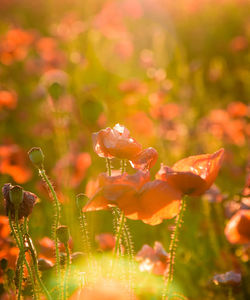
<point x="106" y="241"/>
<point x="145" y="160"/>
<point x="237" y="230"/>
<point x="138" y="198"/>
<point x="153" y="260"/>
<point x="116" y="142"/>
<point x="193" y="175"/>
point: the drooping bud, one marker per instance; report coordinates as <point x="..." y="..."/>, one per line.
<point x="16" y="195"/>
<point x="81" y="200"/>
<point x="36" y="156"/>
<point x="63" y="234"/>
<point x="44" y="264"/>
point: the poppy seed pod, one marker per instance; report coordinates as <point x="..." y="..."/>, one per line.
<point x="81" y="200"/>
<point x="63" y="234"/>
<point x="36" y="156"/>
<point x="16" y="195"/>
<point x="25" y="207"/>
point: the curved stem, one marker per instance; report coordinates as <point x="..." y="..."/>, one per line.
<point x="34" y="258"/>
<point x="55" y="221"/>
<point x="65" y="284"/>
<point x="172" y="249"/>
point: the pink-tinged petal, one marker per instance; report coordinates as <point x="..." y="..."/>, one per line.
<point x="98" y="202"/>
<point x="115" y="142"/>
<point x="158" y="201"/>
<point x="237" y="230"/>
<point x="195" y="174"/>
<point x="145" y="160"/>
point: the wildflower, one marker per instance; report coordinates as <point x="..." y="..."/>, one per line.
<point x="8" y="99"/>
<point x="116" y="142"/>
<point x="193" y="175"/>
<point x="230" y="278"/>
<point x="106" y="241"/>
<point x="13" y="162"/>
<point x="237" y="230"/>
<point x="153" y="260"/>
<point x="138" y="198"/>
<point x="145" y="160"/>
<point x="26" y="206"/>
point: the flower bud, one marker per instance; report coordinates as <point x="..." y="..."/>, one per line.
<point x="4" y="263"/>
<point x="36" y="156"/>
<point x="63" y="234"/>
<point x="44" y="264"/>
<point x="16" y="195"/>
<point x="81" y="200"/>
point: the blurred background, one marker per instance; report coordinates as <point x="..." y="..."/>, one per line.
<point x="175" y="73"/>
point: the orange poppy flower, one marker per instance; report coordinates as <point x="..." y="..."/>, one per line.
<point x="145" y="160"/>
<point x="116" y="142"/>
<point x="193" y="175"/>
<point x="153" y="260"/>
<point x="106" y="241"/>
<point x="138" y="198"/>
<point x="237" y="230"/>
<point x="13" y="162"/>
<point x="8" y="99"/>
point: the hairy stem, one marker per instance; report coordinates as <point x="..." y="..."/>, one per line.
<point x="66" y="275"/>
<point x="35" y="264"/>
<point x="55" y="221"/>
<point x="172" y="249"/>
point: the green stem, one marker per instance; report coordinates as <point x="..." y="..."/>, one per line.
<point x="119" y="233"/>
<point x="34" y="258"/>
<point x="65" y="284"/>
<point x="172" y="249"/>
<point x="108" y="165"/>
<point x="55" y="221"/>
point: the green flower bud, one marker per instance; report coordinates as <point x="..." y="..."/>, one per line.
<point x="16" y="195"/>
<point x="36" y="156"/>
<point x="63" y="234"/>
<point x="81" y="200"/>
<point x="4" y="263"/>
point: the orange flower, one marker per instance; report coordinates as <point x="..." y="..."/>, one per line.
<point x="8" y="99"/>
<point x="138" y="198"/>
<point x="237" y="230"/>
<point x="193" y="175"/>
<point x="145" y="160"/>
<point x="116" y="142"/>
<point x="13" y="162"/>
<point x="153" y="260"/>
<point x="106" y="241"/>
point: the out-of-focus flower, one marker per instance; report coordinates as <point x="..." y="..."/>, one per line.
<point x="116" y="142"/>
<point x="239" y="43"/>
<point x="13" y="162"/>
<point x="7" y="251"/>
<point x="106" y="241"/>
<point x="193" y="175"/>
<point x="237" y="229"/>
<point x="14" y="46"/>
<point x="230" y="278"/>
<point x="77" y="165"/>
<point x="8" y="99"/>
<point x="153" y="260"/>
<point x="103" y="289"/>
<point x="238" y="109"/>
<point x="145" y="160"/>
<point x="213" y="195"/>
<point x="26" y="206"/>
<point x="142" y="125"/>
<point x="138" y="198"/>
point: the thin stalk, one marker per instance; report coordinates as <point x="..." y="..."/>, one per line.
<point x="119" y="233"/>
<point x="108" y="166"/>
<point x="172" y="249"/>
<point x="44" y="176"/>
<point x="19" y="241"/>
<point x="66" y="275"/>
<point x="35" y="264"/>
